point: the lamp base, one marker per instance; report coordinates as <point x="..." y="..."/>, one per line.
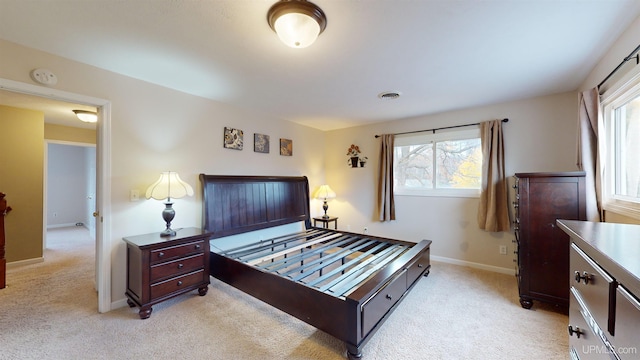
<point x="167" y="214"/>
<point x="325" y="216"/>
<point x="168" y="232"/>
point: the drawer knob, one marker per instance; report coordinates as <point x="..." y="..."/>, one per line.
<point x="420" y="265"/>
<point x="160" y="254"/>
<point x="576" y="331"/>
<point x="389" y="297"/>
<point x="180" y="266"/>
<point x="179" y="283"/>
<point x="585" y="276"/>
<point x="197" y="246"/>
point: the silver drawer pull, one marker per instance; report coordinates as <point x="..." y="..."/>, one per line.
<point x="576" y="331"/>
<point x="585" y="276"/>
<point x="419" y="265"/>
<point x="389" y="297"/>
<point x="160" y="254"/>
<point x="198" y="247"/>
<point x="179" y="283"/>
<point x="180" y="266"/>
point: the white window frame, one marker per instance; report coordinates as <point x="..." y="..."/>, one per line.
<point x="428" y="137"/>
<point x="620" y="93"/>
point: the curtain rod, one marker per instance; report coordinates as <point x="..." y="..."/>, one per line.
<point x="442" y="128"/>
<point x="631" y="56"/>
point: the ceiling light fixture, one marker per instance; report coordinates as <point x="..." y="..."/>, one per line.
<point x="297" y="22"/>
<point x="86" y="116"/>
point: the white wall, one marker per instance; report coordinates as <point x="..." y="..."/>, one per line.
<point x="540" y="136"/>
<point x="66" y="185"/>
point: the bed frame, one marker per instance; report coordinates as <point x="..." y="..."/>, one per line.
<point x="343" y="283"/>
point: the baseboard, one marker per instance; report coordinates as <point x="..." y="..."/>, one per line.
<point x="61" y="225"/>
<point x="14" y="264"/>
<point x="474" y="265"/>
<point x="119" y="303"/>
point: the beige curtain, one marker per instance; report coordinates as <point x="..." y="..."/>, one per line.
<point x="589" y="121"/>
<point x="493" y="210"/>
<point x="386" y="205"/>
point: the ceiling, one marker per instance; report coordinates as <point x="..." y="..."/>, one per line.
<point x="440" y="55"/>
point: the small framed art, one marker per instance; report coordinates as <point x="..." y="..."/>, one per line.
<point x="261" y="143"/>
<point x="286" y="147"/>
<point x="233" y="138"/>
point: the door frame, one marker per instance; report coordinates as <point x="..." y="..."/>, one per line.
<point x="103" y="177"/>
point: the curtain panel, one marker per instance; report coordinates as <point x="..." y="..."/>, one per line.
<point x="493" y="210"/>
<point x="386" y="203"/>
<point x="588" y="159"/>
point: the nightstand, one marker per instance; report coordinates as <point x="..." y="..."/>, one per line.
<point x="325" y="221"/>
<point x="159" y="268"/>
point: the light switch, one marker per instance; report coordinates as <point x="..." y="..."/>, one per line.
<point x="134" y="195"/>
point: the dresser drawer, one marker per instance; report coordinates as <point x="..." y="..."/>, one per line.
<point x="583" y="341"/>
<point x="177" y="284"/>
<point x="378" y="305"/>
<point x="627" y="336"/>
<point x="176" y="267"/>
<point x="594" y="285"/>
<point x="417" y="268"/>
<point x="172" y="252"/>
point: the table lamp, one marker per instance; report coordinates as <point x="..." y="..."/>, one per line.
<point x="168" y="186"/>
<point x="324" y="193"/>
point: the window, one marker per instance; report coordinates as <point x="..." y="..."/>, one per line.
<point x="622" y="146"/>
<point x="440" y="164"/>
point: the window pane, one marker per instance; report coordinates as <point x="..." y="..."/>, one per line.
<point x="413" y="166"/>
<point x="459" y="164"/>
<point x="627" y="148"/>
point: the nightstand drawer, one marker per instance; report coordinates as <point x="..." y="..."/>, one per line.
<point x="173" y="252"/>
<point x="177" y="284"/>
<point x="176" y="267"/>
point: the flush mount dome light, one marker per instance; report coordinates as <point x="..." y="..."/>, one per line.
<point x="86" y="116"/>
<point x="297" y="22"/>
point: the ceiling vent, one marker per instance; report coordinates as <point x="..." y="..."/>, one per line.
<point x="389" y="95"/>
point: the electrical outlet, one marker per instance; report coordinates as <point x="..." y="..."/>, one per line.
<point x="503" y="249"/>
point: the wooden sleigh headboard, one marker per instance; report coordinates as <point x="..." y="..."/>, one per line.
<point x="238" y="204"/>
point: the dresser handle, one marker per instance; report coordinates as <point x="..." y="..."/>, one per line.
<point x="576" y="331"/>
<point x="389" y="297"/>
<point x="198" y="247"/>
<point x="179" y="283"/>
<point x="585" y="276"/>
<point x="180" y="266"/>
<point x="420" y="265"/>
<point x="160" y="254"/>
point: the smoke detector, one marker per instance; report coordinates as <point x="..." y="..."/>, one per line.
<point x="44" y="77"/>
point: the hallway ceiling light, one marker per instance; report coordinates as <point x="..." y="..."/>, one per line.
<point x="86" y="116"/>
<point x="297" y="22"/>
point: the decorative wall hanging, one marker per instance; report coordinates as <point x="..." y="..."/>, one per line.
<point x="233" y="138"/>
<point x="261" y="143"/>
<point x="286" y="147"/>
<point x="353" y="152"/>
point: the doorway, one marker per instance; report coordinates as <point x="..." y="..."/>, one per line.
<point x="103" y="175"/>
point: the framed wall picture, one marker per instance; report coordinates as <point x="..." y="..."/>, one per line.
<point x="261" y="143"/>
<point x="233" y="138"/>
<point x="286" y="147"/>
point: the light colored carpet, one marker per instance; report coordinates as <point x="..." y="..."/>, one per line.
<point x="49" y="311"/>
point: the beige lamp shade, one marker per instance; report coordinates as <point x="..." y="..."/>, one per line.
<point x="325" y="192"/>
<point x="168" y="186"/>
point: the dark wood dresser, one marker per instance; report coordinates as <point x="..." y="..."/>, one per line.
<point x="604" y="312"/>
<point x="159" y="268"/>
<point x="542" y="248"/>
